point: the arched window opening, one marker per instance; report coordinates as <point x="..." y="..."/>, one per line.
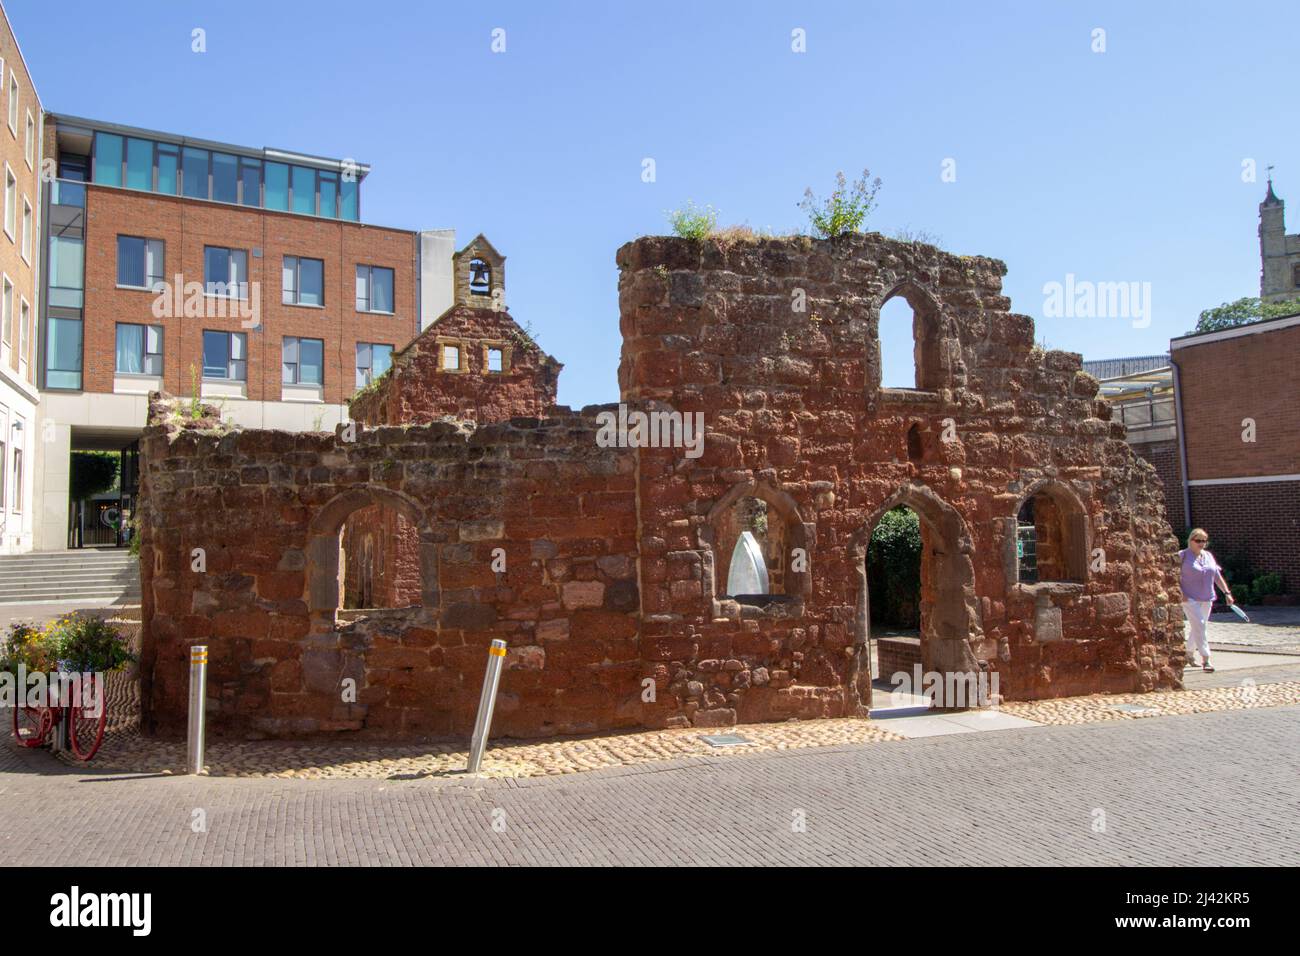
<point x="751" y="553"/>
<point x="379" y="560"/>
<point x="915" y="449"/>
<point x="907" y="336"/>
<point x="898" y="368"/>
<point x="1050" y="543"/>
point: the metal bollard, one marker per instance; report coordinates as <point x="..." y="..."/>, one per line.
<point x="198" y="698"/>
<point x="486" y="702"/>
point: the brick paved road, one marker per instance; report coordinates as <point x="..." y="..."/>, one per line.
<point x="1024" y="796"/>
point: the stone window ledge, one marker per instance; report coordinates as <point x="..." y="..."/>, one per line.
<point x="728" y="608"/>
<point x="1049" y="589"/>
<point x="908" y="396"/>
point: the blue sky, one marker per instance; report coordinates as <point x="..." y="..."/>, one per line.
<point x="1117" y="166"/>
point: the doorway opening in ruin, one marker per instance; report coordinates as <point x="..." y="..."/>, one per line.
<point x="894" y="570"/>
<point x="379" y="560"/>
<point x="917" y="611"/>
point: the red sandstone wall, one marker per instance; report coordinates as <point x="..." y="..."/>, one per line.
<point x="794" y="414"/>
<point x="419" y="390"/>
<point x="267" y="507"/>
<point x="793" y="404"/>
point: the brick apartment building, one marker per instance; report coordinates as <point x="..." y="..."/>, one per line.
<point x="20" y="152"/>
<point x="238" y="275"/>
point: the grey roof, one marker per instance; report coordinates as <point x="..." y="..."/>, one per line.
<point x="1113" y="368"/>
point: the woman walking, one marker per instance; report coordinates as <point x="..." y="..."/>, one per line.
<point x="1200" y="573"/>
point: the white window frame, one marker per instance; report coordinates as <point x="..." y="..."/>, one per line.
<point x="29" y="226"/>
<point x="11" y="205"/>
<point x="13" y="103"/>
<point x="6" y="316"/>
<point x="29" y="148"/>
<point x="370" y="290"/>
<point x="25" y="331"/>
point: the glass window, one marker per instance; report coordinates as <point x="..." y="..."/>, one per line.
<point x="24" y="334"/>
<point x="195" y="162"/>
<point x="139" y="262"/>
<point x="168" y="164"/>
<point x="277" y="186"/>
<point x="7" y="309"/>
<point x="373" y="360"/>
<point x="250" y="182"/>
<point x="329" y="194"/>
<point x="303" y="281"/>
<point x="63" y="353"/>
<point x="139" y="349"/>
<point x="451" y="357"/>
<point x="67" y="257"/>
<point x="27" y="230"/>
<point x="303" y="361"/>
<point x="29" y="144"/>
<point x="225" y="177"/>
<point x="495" y="359"/>
<point x="108" y="159"/>
<point x="13" y="102"/>
<point x="349" y="204"/>
<point x="304" y="190"/>
<point x="224" y="355"/>
<point x="225" y="271"/>
<point x="139" y="164"/>
<point x="11" y="202"/>
<point x="18" y="480"/>
<point x="374" y="289"/>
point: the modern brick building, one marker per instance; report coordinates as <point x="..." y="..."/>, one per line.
<point x="1239" y="412"/>
<point x="20" y="153"/>
<point x="241" y="276"/>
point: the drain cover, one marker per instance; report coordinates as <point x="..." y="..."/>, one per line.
<point x="724" y="740"/>
<point x="1133" y="709"/>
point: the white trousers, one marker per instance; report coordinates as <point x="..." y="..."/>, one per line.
<point x="1198" y="615"/>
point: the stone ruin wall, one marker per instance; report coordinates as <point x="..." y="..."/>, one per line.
<point x="611" y="553"/>
<point x="796" y="416"/>
<point x="267" y="508"/>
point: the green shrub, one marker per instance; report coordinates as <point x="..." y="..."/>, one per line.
<point x="846" y="209"/>
<point x="691" y="222"/>
<point x="894" y="569"/>
<point x="86" y="642"/>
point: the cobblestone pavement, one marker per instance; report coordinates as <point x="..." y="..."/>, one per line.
<point x="1205" y="789"/>
<point x="124" y="750"/>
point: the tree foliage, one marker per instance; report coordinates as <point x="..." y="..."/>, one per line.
<point x="92" y="472"/>
<point x="1244" y="311"/>
<point x="894" y="569"/>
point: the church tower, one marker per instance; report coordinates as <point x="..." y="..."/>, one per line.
<point x="1279" y="254"/>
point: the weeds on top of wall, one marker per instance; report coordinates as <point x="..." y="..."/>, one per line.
<point x="692" y="222"/>
<point x="847" y="207"/>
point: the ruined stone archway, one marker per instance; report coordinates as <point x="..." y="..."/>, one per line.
<point x="323" y="551"/>
<point x="952" y="625"/>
